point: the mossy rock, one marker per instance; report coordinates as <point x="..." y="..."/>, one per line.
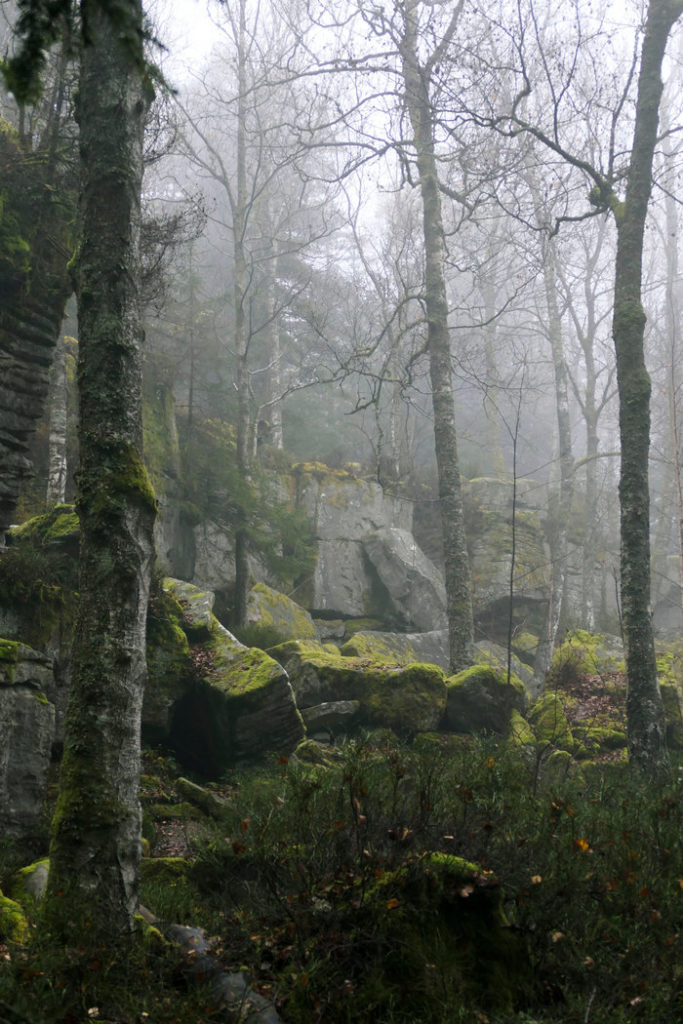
<point x="196" y="606"/>
<point x="238" y="706"/>
<point x="496" y="656"/>
<point x="584" y="654"/>
<point x="206" y="801"/>
<point x="59" y="527"/>
<point x="318" y="755"/>
<point x="673" y="714"/>
<point x="480" y="699"/>
<point x="555" y="767"/>
<point x="165" y="870"/>
<point x="520" y="734"/>
<point x="441" y="923"/>
<point x="596" y="738"/>
<point x="169" y="664"/>
<point x="40" y="578"/>
<point x="13" y="923"/>
<point x="525" y="646"/>
<point x="270" y="610"/>
<point x="389" y="648"/>
<point x="183" y="811"/>
<point x="29" y="883"/>
<point x="406" y="698"/>
<point x="549" y="722"/>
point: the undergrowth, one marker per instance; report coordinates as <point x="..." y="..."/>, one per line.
<point x="320" y="881"/>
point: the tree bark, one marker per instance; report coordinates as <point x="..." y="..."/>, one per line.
<point x="57" y="462"/>
<point x="95" y="849"/>
<point x="647" y="745"/>
<point x="560" y="514"/>
<point x="457" y="573"/>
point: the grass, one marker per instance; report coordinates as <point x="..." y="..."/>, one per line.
<point x="314" y="881"/>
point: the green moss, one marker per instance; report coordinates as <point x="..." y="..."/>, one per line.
<point x="173" y="812"/>
<point x="443" y="913"/>
<point x="10" y="651"/>
<point x="521" y="734"/>
<point x="380" y="648"/>
<point x="524" y="646"/>
<point x="549" y="722"/>
<point x="60" y="523"/>
<point x="480" y="699"/>
<point x="28" y="885"/>
<point x="164" y="870"/>
<point x="123" y="476"/>
<point x="595" y="738"/>
<point x="169" y="661"/>
<point x="13" y="922"/>
<point x="246" y="674"/>
<point x="270" y="609"/>
<point x="582" y="654"/>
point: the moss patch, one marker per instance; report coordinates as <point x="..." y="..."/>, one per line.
<point x="549" y="721"/>
<point x="13" y="923"/>
<point x="480" y="699"/>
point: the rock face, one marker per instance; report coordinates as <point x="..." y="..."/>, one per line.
<point x="27" y="723"/>
<point x="344" y="510"/>
<point x="413" y="583"/>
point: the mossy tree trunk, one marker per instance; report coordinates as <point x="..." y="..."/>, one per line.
<point x="416" y="79"/>
<point x="647" y="746"/>
<point x="95" y="848"/>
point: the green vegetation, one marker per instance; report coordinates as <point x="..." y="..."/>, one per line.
<point x="427" y="884"/>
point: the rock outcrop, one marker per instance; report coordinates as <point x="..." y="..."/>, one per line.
<point x="407" y="698"/>
<point x="239" y="702"/>
<point x="413" y="584"/>
<point x="344" y="510"/>
<point x="27" y="724"/>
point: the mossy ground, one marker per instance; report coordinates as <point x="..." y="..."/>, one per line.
<point x="430" y="884"/>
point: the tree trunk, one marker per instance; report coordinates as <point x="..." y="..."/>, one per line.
<point x="57" y="465"/>
<point x="647" y="746"/>
<point x="95" y="849"/>
<point x="560" y="521"/>
<point x="241" y="288"/>
<point x="457" y="573"/>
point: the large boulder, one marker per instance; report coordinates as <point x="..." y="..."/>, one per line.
<point x="406" y="698"/>
<point x="343" y="509"/>
<point x="413" y="584"/>
<point x="27" y="724"/>
<point x="400" y="648"/>
<point x="239" y="703"/>
<point x="275" y="613"/>
<point x="481" y="699"/>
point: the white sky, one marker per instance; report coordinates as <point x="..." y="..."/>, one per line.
<point x="186" y="29"/>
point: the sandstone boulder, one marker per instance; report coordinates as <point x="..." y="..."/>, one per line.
<point x="238" y="706"/>
<point x="413" y="584"/>
<point x="480" y="699"/>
